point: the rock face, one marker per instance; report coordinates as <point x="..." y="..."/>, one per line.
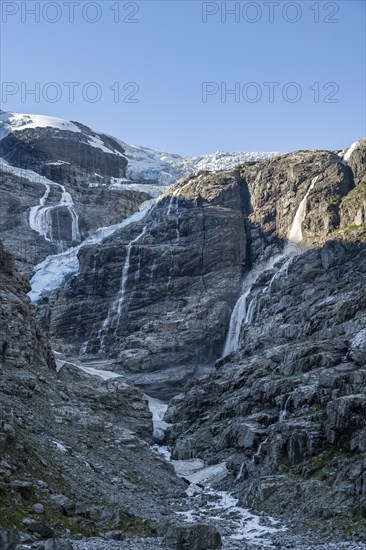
<point x="74" y="443"/>
<point x="277" y="187"/>
<point x="162" y="289"/>
<point x="17" y="323"/>
<point x="61" y="220"/>
<point x="286" y="410"/>
<point x="72" y="154"/>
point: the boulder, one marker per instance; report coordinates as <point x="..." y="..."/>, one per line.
<point x="9" y="539"/>
<point x="199" y="536"/>
<point x="358" y="348"/>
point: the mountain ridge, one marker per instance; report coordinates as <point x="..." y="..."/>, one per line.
<point x="238" y="293"/>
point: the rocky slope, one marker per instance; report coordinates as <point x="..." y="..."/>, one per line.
<point x="74" y="444"/>
<point x="286" y="410"/>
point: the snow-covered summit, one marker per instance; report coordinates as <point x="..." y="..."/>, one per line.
<point x="13" y="122"/>
<point x="142" y="163"/>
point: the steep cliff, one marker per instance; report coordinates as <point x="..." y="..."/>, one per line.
<point x="156" y="295"/>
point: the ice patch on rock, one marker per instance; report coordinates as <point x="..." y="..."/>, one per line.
<point x="52" y="272"/>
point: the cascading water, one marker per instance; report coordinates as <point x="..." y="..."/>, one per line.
<point x="40" y="215"/>
<point x="295" y="235"/>
<point x="173" y="210"/>
<point x="283" y="413"/>
<point x="250" y="465"/>
<point x="243" y="313"/>
<point x="239" y="313"/>
<point x="116" y="309"/>
<point x="66" y="200"/>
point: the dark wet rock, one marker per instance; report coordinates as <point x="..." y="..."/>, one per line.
<point x="24" y="488"/>
<point x="197" y="536"/>
<point x="9" y="539"/>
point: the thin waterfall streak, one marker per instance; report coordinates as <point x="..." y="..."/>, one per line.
<point x="295" y="234"/>
<point x="283" y="413"/>
<point x="116" y="309"/>
<point x="250" y="464"/>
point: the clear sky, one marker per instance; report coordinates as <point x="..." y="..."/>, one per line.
<point x="164" y="53"/>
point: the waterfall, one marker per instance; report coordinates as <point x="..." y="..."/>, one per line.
<point x="295" y="234"/>
<point x="173" y="209"/>
<point x="115" y="310"/>
<point x="66" y="200"/>
<point x="239" y="313"/>
<point x="251" y="464"/>
<point x="125" y="272"/>
<point x="259" y="450"/>
<point x="240" y="474"/>
<point x="283" y="413"/>
<point x="250" y="312"/>
<point x="40" y="216"/>
<point x="243" y="313"/>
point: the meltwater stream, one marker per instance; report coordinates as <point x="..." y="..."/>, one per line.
<point x="243" y="311"/>
<point x="206" y="504"/>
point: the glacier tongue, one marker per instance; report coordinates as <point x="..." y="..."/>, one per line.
<point x="165" y="168"/>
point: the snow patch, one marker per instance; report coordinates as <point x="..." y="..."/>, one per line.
<point x="60" y="447"/>
<point x="96" y="141"/>
<point x="103" y="374"/>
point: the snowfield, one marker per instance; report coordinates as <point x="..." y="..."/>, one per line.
<point x="143" y="163"/>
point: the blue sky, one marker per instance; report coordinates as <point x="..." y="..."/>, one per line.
<point x="312" y="51"/>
